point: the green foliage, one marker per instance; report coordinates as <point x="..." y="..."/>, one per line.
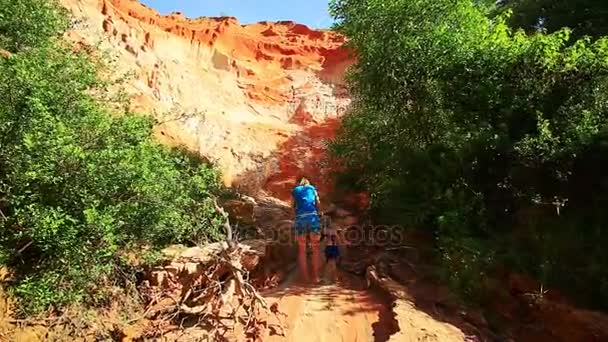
<point x="584" y="17"/>
<point x="480" y="134"/>
<point x="79" y="187"/>
<point x="26" y="24"/>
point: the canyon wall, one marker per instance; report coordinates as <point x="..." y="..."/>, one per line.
<point x="256" y="99"/>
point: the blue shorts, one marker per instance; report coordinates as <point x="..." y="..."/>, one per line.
<point x="332" y="252"/>
<point x="307" y="223"/>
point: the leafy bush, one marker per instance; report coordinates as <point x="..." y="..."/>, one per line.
<point x="584" y="17"/>
<point x="488" y="137"/>
<point x="80" y="188"/>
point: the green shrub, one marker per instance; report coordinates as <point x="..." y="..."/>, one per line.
<point x="584" y="17"/>
<point x="80" y="187"/>
<point x="462" y="126"/>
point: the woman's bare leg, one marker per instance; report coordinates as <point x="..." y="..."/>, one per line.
<point x="316" y="258"/>
<point x="302" y="263"/>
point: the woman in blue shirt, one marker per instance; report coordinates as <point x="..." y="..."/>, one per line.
<point x="307" y="225"/>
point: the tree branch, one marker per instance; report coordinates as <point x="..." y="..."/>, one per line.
<point x="25" y="247"/>
<point x="227" y="226"/>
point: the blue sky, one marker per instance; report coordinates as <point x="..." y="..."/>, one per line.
<point x="313" y="13"/>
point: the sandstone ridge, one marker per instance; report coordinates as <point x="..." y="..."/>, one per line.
<point x="235" y="94"/>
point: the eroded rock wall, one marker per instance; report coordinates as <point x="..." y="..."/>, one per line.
<point x="235" y="94"/>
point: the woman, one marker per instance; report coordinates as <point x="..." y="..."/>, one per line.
<point x="307" y="225"/>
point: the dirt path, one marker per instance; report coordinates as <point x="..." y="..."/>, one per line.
<point x="343" y="311"/>
<point x="347" y="311"/>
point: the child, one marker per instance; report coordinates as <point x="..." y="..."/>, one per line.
<point x="332" y="253"/>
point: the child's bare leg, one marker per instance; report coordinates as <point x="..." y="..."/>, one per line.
<point x="332" y="270"/>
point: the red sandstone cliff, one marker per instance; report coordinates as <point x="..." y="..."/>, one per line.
<point x="241" y="95"/>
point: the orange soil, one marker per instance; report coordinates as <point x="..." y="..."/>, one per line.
<point x="343" y="311"/>
<point x="347" y="311"/>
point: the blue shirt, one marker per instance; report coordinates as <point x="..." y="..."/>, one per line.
<point x="305" y="198"/>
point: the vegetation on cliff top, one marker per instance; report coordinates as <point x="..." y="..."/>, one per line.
<point x="493" y="139"/>
<point x="584" y="17"/>
<point x="80" y="188"/>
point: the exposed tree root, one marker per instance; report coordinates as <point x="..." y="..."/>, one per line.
<point x="218" y="296"/>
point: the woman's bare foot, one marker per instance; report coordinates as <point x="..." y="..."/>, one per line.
<point x="302" y="277"/>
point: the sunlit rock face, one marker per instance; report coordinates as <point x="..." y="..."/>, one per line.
<point x="256" y="99"/>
